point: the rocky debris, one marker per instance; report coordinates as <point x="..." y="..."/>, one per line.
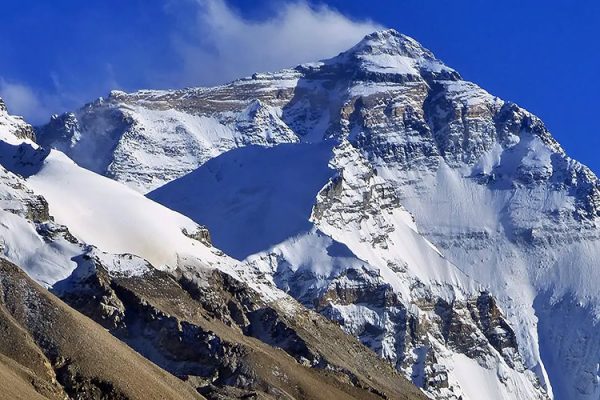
<point x="107" y="309"/>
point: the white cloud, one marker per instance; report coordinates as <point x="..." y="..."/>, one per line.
<point x="22" y="100"/>
<point x="37" y="105"/>
<point x="225" y="45"/>
<point x="214" y="44"/>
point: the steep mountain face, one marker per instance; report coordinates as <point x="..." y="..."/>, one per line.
<point x="50" y="351"/>
<point x="14" y="129"/>
<point x="369" y="270"/>
<point x="319" y="176"/>
<point x="137" y="146"/>
<point x="151" y="278"/>
<point x="489" y="185"/>
<point x="223" y="339"/>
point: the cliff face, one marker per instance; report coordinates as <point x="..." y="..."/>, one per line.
<point x="222" y="338"/>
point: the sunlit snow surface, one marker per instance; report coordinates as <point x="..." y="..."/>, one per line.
<point x="117" y="219"/>
<point x="122" y="229"/>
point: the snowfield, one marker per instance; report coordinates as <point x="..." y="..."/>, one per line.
<point x="113" y="217"/>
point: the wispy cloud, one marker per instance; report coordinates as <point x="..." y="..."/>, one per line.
<point x="23" y="100"/>
<point x="201" y="42"/>
<point x="224" y="45"/>
<point x="38" y="104"/>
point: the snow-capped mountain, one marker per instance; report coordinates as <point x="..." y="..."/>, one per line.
<point x="441" y="225"/>
<point x="151" y="278"/>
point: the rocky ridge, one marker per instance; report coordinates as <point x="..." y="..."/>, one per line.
<point x="56" y="353"/>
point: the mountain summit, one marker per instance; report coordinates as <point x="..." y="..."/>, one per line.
<point x="441" y="226"/>
<point x="391" y="52"/>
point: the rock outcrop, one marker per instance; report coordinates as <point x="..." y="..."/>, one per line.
<point x="50" y="351"/>
<point x="220" y="336"/>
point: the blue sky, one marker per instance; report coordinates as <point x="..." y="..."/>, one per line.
<point x="56" y="55"/>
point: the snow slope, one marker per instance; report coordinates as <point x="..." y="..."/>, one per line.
<point x="118" y="220"/>
<point x="27" y="238"/>
<point x="56" y="216"/>
<point x="253" y="197"/>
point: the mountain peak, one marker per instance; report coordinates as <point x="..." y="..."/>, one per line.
<point x="390" y="52"/>
<point x="390" y="41"/>
<point x="13" y="129"/>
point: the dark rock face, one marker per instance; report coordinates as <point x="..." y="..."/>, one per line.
<point x="37" y="209"/>
<point x="494" y="326"/>
<point x="107" y="309"/>
<point x="67" y="354"/>
<point x="207" y="328"/>
<point x="81" y="387"/>
<point x="468" y="328"/>
<point x="25" y="132"/>
<point x="202" y="234"/>
<point x="362" y="291"/>
<point x="61" y="128"/>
